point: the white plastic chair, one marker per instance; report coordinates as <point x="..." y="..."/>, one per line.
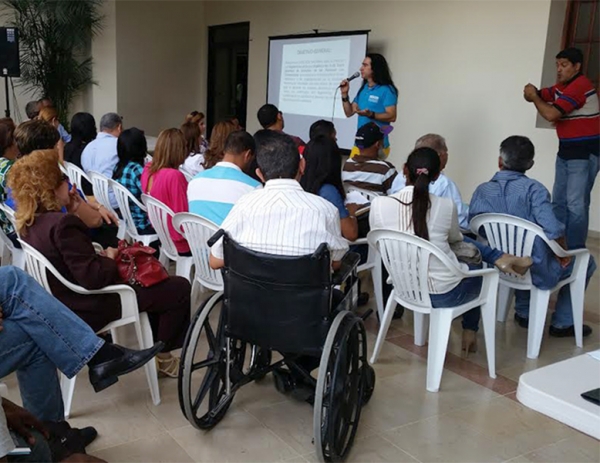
<point x="125" y="198"/>
<point x="100" y="187"/>
<point x="406" y="258"/>
<point x="188" y="176"/>
<point x="8" y="248"/>
<point x="373" y="262"/>
<point x="38" y="266"/>
<point x="76" y="174"/>
<point x="197" y="231"/>
<point x="516" y="236"/>
<point x="160" y="215"/>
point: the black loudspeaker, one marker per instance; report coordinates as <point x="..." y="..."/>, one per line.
<point x="9" y="52"/>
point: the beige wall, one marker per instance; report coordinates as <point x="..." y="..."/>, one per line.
<point x="460" y="67"/>
<point x="159" y="62"/>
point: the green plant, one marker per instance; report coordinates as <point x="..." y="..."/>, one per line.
<point x="55" y="40"/>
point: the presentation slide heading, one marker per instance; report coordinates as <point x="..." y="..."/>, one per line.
<point x="312" y="51"/>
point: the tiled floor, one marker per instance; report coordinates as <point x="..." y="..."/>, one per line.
<point x="471" y="419"/>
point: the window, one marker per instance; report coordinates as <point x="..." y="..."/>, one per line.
<point x="582" y="30"/>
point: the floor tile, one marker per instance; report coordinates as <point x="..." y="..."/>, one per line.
<point x="577" y="449"/>
<point x="239" y="437"/>
<point x="157" y="449"/>
<point x="403" y="399"/>
<point x="118" y="422"/>
<point x="292" y="422"/>
<point x="373" y="449"/>
<point x="445" y="439"/>
<point x="519" y="429"/>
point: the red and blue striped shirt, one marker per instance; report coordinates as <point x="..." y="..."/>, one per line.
<point x="578" y="129"/>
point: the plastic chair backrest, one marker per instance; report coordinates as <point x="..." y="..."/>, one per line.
<point x="100" y="187"/>
<point x="10" y="214"/>
<point x="509" y="234"/>
<point x="406" y="258"/>
<point x="197" y="231"/>
<point x="38" y="265"/>
<point x="160" y="216"/>
<point x="125" y="200"/>
<point x="76" y="174"/>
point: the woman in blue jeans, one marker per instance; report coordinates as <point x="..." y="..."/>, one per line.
<point x="435" y="219"/>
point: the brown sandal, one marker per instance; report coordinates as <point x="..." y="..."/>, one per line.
<point x="168" y="367"/>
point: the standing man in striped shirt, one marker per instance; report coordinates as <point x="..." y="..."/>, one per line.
<point x="572" y="105"/>
<point x="366" y="170"/>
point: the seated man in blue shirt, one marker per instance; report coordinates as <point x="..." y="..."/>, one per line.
<point x="443" y="186"/>
<point x="100" y="155"/>
<point x="213" y="192"/>
<point x="511" y="192"/>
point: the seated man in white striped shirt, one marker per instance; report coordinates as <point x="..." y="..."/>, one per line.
<point x="281" y="218"/>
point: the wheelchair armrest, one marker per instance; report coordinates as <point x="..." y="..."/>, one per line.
<point x="348" y="265"/>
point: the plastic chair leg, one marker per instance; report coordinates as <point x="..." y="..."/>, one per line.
<point x="377" y="286"/>
<point x="505" y="297"/>
<point x="115" y="336"/>
<point x="145" y="340"/>
<point x="577" y="289"/>
<point x="421" y="328"/>
<point x="489" y="333"/>
<point x="18" y="258"/>
<point x="384" y="326"/>
<point x="183" y="267"/>
<point x="163" y="258"/>
<point x="122" y="230"/>
<point x="67" y="387"/>
<point x="538" y="308"/>
<point x="439" y="333"/>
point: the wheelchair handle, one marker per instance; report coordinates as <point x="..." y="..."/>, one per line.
<point x="322" y="249"/>
<point x="213" y="239"/>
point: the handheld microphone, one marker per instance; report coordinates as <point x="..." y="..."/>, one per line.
<point x="353" y="76"/>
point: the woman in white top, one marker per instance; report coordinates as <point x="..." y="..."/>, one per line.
<point x="413" y="210"/>
<point x="194" y="163"/>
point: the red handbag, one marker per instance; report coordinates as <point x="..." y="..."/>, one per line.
<point x="137" y="265"/>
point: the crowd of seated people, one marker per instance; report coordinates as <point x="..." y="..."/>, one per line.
<point x="270" y="191"/>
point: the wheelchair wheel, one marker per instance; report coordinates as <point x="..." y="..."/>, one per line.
<point x="202" y="380"/>
<point x="340" y="390"/>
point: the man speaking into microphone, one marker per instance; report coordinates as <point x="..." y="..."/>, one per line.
<point x="377" y="99"/>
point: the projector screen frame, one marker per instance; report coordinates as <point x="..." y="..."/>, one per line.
<point x="308" y="35"/>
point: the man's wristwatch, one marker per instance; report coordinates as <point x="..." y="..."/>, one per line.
<point x="345" y="99"/>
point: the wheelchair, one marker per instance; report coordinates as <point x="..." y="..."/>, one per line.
<point x="278" y="306"/>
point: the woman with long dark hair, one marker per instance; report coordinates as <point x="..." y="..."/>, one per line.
<point x="435" y="219"/>
<point x="83" y="131"/>
<point x="376" y="100"/>
<point x="132" y="149"/>
<point x="323" y="177"/>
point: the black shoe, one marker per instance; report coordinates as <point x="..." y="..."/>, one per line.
<point x="398" y="312"/>
<point x="106" y="374"/>
<point x="87" y="435"/>
<point x="568" y="332"/>
<point x="522" y="321"/>
<point x="363" y="298"/>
